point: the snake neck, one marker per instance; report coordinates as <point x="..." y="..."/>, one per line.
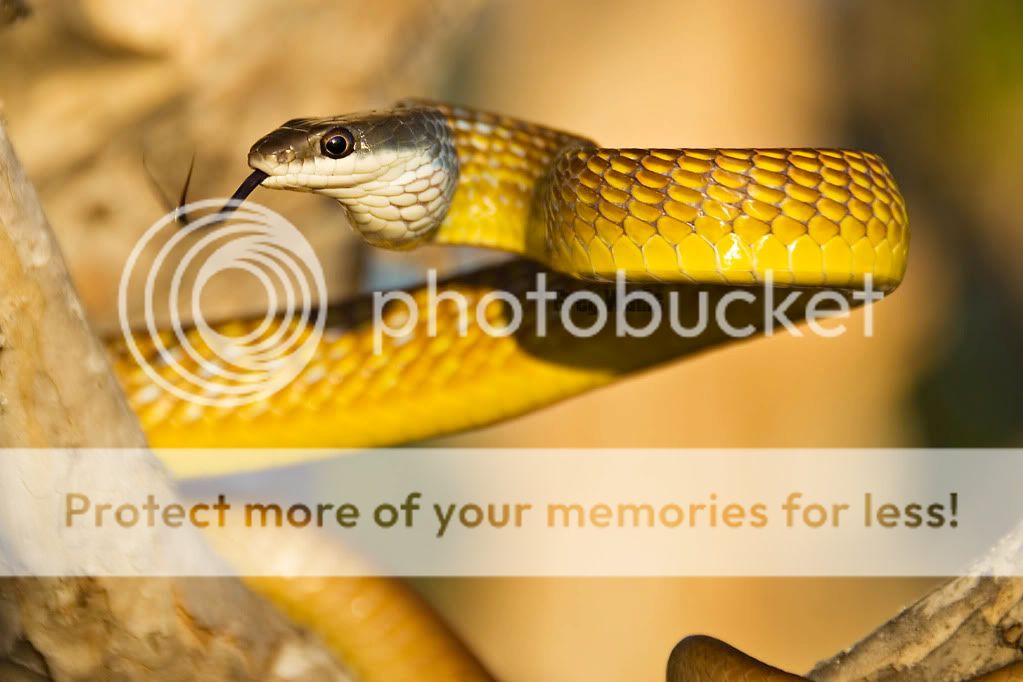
<point x="504" y="176"/>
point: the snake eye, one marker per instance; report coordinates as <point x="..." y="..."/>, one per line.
<point x="337" y="143"/>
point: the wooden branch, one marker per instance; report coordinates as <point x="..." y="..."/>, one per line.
<point x="964" y="628"/>
<point x="56" y="390"/>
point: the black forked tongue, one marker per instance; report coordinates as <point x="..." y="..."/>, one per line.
<point x="249" y="184"/>
<point x="237" y="199"/>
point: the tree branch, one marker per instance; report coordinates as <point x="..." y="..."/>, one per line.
<point x="56" y="390"/>
<point x="964" y="628"/>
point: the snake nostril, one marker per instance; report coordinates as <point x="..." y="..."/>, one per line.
<point x="285" y="156"/>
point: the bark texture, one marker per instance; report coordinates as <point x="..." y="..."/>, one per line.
<point x="56" y="390"/>
<point x="967" y="627"/>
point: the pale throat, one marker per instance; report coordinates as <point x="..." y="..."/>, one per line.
<point x="403" y="204"/>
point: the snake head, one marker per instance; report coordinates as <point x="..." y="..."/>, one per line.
<point x="394" y="171"/>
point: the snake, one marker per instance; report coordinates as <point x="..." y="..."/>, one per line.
<point x="688" y="221"/>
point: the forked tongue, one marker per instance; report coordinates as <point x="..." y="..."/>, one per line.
<point x="244" y="190"/>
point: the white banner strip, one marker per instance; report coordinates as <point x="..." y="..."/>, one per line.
<point x="477" y="512"/>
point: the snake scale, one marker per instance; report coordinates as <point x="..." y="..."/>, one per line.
<point x="684" y="220"/>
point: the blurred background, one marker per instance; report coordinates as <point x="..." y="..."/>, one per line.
<point x="96" y="91"/>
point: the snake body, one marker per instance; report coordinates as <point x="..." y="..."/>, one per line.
<point x="432" y="173"/>
<point x="680" y="221"/>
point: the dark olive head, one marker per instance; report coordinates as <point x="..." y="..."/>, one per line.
<point x="394" y="171"/>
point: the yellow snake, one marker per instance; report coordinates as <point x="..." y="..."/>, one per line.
<point x="681" y="220"/>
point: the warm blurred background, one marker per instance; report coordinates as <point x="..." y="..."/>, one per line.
<point x="90" y="88"/>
